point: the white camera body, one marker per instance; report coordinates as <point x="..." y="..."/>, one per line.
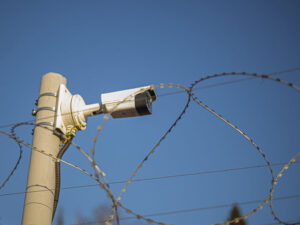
<point x="128" y="103"/>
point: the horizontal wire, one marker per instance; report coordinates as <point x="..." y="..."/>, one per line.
<point x="289" y="221"/>
<point x="198" y="88"/>
<point x="157" y="178"/>
<point x="208" y="86"/>
<point x="229" y="82"/>
<point x="198" y="209"/>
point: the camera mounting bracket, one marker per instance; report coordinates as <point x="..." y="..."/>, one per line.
<point x="72" y="111"/>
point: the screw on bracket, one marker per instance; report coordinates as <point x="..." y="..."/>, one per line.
<point x="34" y="111"/>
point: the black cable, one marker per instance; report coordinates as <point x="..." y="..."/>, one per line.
<point x="57" y="174"/>
<point x="290" y="221"/>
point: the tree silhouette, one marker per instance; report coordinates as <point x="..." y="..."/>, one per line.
<point x="100" y="215"/>
<point x="235" y="213"/>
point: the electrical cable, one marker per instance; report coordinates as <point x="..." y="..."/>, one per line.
<point x="57" y="163"/>
<point x="57" y="174"/>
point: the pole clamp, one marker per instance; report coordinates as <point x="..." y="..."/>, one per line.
<point x="46" y="94"/>
<point x="45" y="108"/>
<point x="44" y="124"/>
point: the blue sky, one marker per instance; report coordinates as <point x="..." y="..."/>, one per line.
<point x="103" y="46"/>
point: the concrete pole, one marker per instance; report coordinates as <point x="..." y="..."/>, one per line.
<point x="39" y="197"/>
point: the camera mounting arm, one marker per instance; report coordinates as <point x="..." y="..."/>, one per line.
<point x="71" y="110"/>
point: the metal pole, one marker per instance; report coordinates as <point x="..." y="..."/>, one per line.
<point x="39" y="197"/>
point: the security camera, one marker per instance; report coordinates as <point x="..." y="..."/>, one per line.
<point x="128" y="103"/>
<point x="71" y="110"/>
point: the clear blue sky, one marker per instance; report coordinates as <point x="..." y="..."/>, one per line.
<point x="102" y="46"/>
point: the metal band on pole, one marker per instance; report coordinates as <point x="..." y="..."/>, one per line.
<point x="46" y="108"/>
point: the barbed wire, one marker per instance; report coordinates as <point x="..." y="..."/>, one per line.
<point x="18" y="161"/>
<point x="236" y="220"/>
<point x="21" y="142"/>
<point x="250" y="140"/>
<point x="269" y="198"/>
<point x="103" y="186"/>
<point x="109" y="194"/>
<point x="100" y="174"/>
<point x="274" y="182"/>
<point x="293" y="160"/>
<point x="160" y="140"/>
<point x="219" y="116"/>
<point x="156" y="214"/>
<point x="92" y="159"/>
<point x="126" y="209"/>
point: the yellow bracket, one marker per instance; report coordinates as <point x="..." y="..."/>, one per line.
<point x="70" y="134"/>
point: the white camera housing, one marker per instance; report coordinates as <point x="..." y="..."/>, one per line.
<point x="71" y="110"/>
<point x="128" y="103"/>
